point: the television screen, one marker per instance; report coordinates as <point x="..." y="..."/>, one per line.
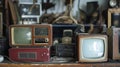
<point x="31" y="35"/>
<point x="21" y="35"/>
<point x="92" y="48"/>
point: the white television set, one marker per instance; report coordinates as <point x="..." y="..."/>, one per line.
<point x="92" y="48"/>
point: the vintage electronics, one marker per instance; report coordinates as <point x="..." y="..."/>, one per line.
<point x="114" y="43"/>
<point x="62" y="50"/>
<point x="66" y="40"/>
<point x="25" y="10"/>
<point x="92" y="7"/>
<point x="59" y="29"/>
<point x="67" y="33"/>
<point x="31" y="35"/>
<point x="30" y="20"/>
<point x="1" y="3"/>
<point x="1" y="24"/>
<point x="92" y="48"/>
<point x="30" y="54"/>
<point x="3" y="46"/>
<point x="30" y="9"/>
<point x="92" y="13"/>
<point x="67" y="36"/>
<point x="113" y="17"/>
<point x="29" y="1"/>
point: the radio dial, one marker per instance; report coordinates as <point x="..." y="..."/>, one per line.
<point x="46" y="40"/>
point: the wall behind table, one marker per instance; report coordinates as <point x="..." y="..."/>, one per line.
<point x="60" y="7"/>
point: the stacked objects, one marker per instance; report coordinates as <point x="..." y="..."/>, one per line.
<point x="30" y="43"/>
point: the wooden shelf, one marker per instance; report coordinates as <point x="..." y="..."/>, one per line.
<point x="61" y="65"/>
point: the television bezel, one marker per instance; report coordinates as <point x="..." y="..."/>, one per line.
<point x="49" y="36"/>
<point x="12" y="35"/>
<point x="110" y="11"/>
<point x="80" y="52"/>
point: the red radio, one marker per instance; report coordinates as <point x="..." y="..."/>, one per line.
<point x="30" y="54"/>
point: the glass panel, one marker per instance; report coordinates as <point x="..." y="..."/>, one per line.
<point x="93" y="48"/>
<point x="22" y="35"/>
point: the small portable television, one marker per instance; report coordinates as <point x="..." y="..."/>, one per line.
<point x="92" y="48"/>
<point x="114" y="43"/>
<point x="31" y="35"/>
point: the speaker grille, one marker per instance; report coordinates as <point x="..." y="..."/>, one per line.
<point x="27" y="55"/>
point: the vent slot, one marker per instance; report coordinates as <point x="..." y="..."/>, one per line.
<point x="28" y="1"/>
<point x="27" y="55"/>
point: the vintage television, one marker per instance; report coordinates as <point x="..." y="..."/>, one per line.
<point x="92" y="48"/>
<point x="30" y="10"/>
<point x="31" y="35"/>
<point x="113" y="17"/>
<point x="114" y="43"/>
<point x="29" y="54"/>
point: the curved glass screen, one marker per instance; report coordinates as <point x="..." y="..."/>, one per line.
<point x="22" y="35"/>
<point x="93" y="48"/>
